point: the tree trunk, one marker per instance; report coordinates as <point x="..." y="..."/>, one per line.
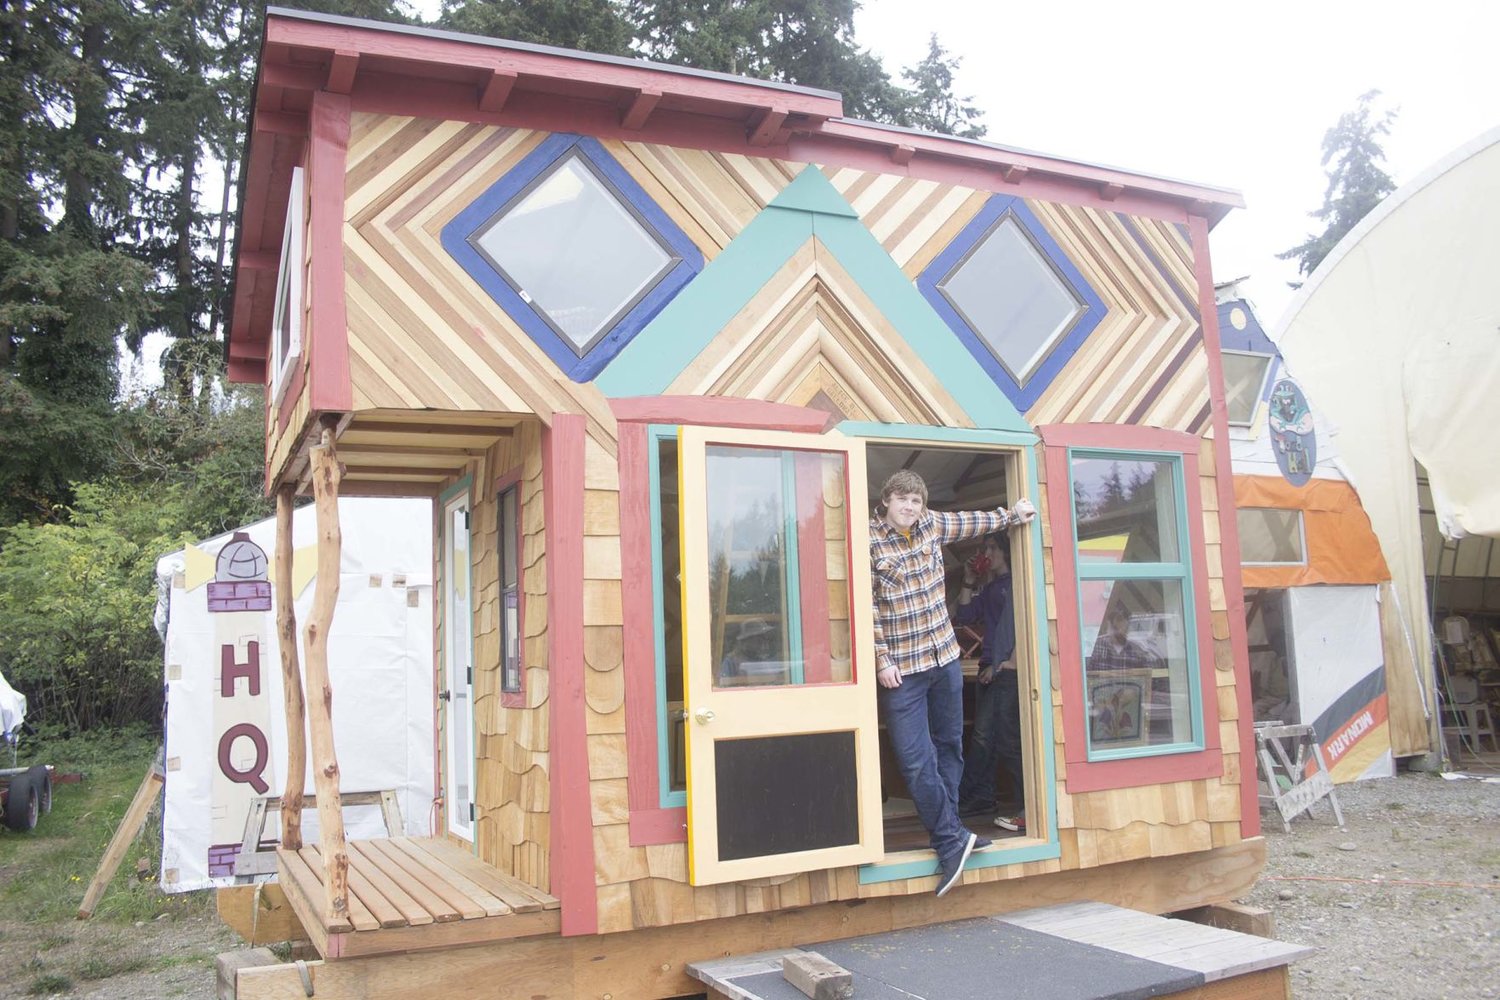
<point x="291" y="677"/>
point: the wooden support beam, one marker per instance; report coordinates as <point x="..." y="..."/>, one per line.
<point x="130" y="825"/>
<point x="902" y="154"/>
<point x="258" y="913"/>
<point x="1111" y="191"/>
<point x="325" y="482"/>
<point x="765" y="125"/>
<point x="259" y="260"/>
<point x="280" y="122"/>
<point x="496" y="90"/>
<point x="341" y="71"/>
<point x="291" y="675"/>
<point x="640" y="109"/>
<point x="1013" y="173"/>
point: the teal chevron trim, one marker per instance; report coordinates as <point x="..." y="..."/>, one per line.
<point x="810" y="191"/>
<point x="809" y="206"/>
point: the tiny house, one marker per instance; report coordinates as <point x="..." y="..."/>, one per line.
<point x="651" y="338"/>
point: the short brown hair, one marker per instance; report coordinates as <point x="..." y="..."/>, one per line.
<point x="903" y="481"/>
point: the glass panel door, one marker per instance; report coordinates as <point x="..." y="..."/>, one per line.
<point x="457" y="695"/>
<point x="783" y="771"/>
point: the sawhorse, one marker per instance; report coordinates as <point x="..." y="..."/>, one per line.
<point x="1303" y="787"/>
<point x="252" y="861"/>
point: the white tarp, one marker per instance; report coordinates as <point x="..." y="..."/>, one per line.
<point x="1395" y="337"/>
<point x="226" y="726"/>
<point x="12" y="708"/>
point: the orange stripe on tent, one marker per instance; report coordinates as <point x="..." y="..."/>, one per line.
<point x="1341" y="546"/>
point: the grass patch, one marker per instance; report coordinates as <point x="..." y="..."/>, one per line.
<point x="52" y="982"/>
<point x="192" y="958"/>
<point x="1301" y="854"/>
<point x="1395" y="806"/>
<point x="98" y="966"/>
<point x="46" y="871"/>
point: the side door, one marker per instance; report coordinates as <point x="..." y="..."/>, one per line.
<point x="456" y="695"/>
<point x="783" y="769"/>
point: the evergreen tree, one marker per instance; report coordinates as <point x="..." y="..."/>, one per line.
<point x="931" y="103"/>
<point x="1356" y="180"/>
<point x="587" y="25"/>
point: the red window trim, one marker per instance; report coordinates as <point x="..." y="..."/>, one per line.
<point x="1084" y="775"/>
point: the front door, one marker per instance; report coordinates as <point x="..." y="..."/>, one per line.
<point x="457" y="694"/>
<point x="782" y="739"/>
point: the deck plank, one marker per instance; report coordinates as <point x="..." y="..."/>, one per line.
<point x="429" y="878"/>
<point x="359" y="914"/>
<point x="430" y="901"/>
<point x="412" y="911"/>
<point x="493" y="905"/>
<point x="508" y="890"/>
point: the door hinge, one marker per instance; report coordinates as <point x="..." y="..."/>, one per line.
<point x="466" y="520"/>
<point x="471" y="677"/>
<point x="471" y="812"/>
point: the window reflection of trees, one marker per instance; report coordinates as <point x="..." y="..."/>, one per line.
<point x="747" y="571"/>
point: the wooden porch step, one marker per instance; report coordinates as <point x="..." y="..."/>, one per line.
<point x="413" y="894"/>
<point x="1074" y="951"/>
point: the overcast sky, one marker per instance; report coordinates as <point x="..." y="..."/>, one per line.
<point x="1234" y="95"/>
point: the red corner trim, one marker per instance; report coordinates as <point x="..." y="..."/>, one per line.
<point x="721" y="411"/>
<point x="571" y="819"/>
<point x="649" y="822"/>
<point x="1229" y="527"/>
<point x="328" y="334"/>
<point x="503" y="482"/>
<point x="1089" y="776"/>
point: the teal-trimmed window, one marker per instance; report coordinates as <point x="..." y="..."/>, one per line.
<point x="1139" y="638"/>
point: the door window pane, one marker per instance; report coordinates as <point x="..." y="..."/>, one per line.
<point x="1137" y="680"/>
<point x="1268" y="535"/>
<point x="510" y="596"/>
<point x="778" y="557"/>
<point x="1125" y="510"/>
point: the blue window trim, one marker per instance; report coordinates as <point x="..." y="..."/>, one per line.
<point x="580" y="368"/>
<point x="1180" y="570"/>
<point x="998" y="206"/>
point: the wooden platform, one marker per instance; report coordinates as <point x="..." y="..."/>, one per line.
<point x="1074" y="951"/>
<point x="413" y="894"/>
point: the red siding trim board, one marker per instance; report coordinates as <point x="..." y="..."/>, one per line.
<point x="571" y="819"/>
<point x="328" y="335"/>
<point x="1084" y="775"/>
<point x="512" y="699"/>
<point x="1229" y="528"/>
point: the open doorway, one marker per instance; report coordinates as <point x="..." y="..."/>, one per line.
<point x="1273" y="674"/>
<point x="967" y="478"/>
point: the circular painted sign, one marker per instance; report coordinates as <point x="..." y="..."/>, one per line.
<point x="1292" y="437"/>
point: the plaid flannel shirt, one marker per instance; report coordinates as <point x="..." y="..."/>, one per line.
<point x="912" y="629"/>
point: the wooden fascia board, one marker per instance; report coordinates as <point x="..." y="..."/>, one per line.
<point x="1014" y="166"/>
<point x="538" y="67"/>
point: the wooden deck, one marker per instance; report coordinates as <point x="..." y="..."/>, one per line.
<point x="413" y="894"/>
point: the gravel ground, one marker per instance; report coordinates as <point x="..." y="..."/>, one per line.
<point x="1405" y="902"/>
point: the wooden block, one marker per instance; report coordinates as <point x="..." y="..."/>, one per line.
<point x="817" y="977"/>
<point x="1233" y="917"/>
<point x="228" y="965"/>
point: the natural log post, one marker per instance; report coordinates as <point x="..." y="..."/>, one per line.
<point x="325" y="481"/>
<point x="291" y="677"/>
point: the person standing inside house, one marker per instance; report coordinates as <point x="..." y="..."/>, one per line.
<point x="916" y="653"/>
<point x="997" y="707"/>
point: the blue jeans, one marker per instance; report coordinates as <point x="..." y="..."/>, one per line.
<point x="924" y="718"/>
<point x="996" y="739"/>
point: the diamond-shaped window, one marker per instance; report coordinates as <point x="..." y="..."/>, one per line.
<point x="1013" y="297"/>
<point x="574" y="250"/>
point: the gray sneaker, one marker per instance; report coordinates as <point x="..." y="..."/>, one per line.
<point x="953" y="868"/>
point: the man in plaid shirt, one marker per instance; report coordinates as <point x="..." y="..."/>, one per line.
<point x="920" y="682"/>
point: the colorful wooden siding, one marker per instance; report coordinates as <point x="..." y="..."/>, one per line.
<point x="422" y="334"/>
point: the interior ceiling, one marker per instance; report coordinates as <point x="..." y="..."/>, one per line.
<point x="950" y="473"/>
